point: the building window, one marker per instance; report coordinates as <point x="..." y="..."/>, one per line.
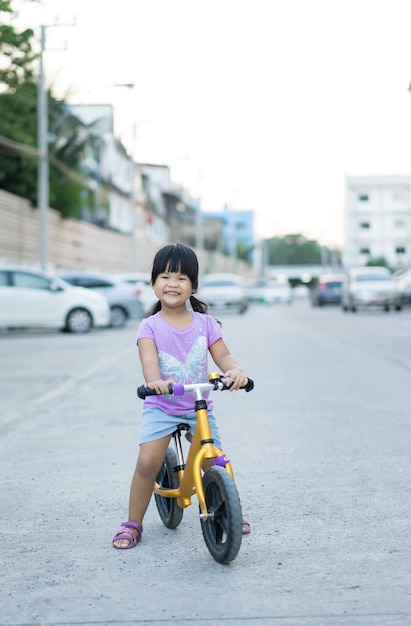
<point x="363" y="197"/>
<point x="365" y="225"/>
<point x="400" y="196"/>
<point x="399" y="224"/>
<point x="400" y="250"/>
<point x="364" y="251"/>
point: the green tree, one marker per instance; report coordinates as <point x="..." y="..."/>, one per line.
<point x="18" y="122"/>
<point x="244" y="251"/>
<point x="69" y="137"/>
<point x="70" y="141"/>
<point x="293" y="250"/>
<point x="16" y="51"/>
<point x="380" y="261"/>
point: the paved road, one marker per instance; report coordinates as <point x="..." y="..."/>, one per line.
<point x="322" y="456"/>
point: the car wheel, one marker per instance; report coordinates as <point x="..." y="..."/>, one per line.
<point x="118" y="317"/>
<point x="78" y="321"/>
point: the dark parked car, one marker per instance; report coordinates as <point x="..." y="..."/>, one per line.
<point x="327" y="290"/>
<point x="123" y="298"/>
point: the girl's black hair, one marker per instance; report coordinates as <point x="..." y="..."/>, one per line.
<point x="179" y="258"/>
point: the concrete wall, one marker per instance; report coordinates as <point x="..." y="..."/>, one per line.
<point x="73" y="244"/>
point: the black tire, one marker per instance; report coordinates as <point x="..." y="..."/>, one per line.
<point x="170" y="513"/>
<point x="78" y="321"/>
<point x="118" y="317"/>
<point x="222" y="531"/>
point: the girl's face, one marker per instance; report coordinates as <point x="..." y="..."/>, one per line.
<point x="172" y="289"/>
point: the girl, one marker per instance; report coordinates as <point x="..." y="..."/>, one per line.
<point x="173" y="345"/>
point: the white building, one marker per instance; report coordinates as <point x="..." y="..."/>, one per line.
<point x="378" y="220"/>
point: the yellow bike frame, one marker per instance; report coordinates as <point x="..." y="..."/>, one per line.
<point x="201" y="448"/>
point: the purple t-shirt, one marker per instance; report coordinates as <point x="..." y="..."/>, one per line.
<point x="183" y="356"/>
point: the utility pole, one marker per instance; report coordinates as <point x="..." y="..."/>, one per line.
<point x="43" y="163"/>
<point x="43" y="149"/>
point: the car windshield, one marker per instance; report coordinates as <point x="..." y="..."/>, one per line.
<point x="371" y="277"/>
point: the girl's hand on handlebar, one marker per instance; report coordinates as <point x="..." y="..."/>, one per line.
<point x="236" y="379"/>
<point x="160" y="386"/>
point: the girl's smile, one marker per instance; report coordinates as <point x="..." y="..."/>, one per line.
<point x="173" y="288"/>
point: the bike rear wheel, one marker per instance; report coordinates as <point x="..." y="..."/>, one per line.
<point x="222" y="531"/>
<point x="170" y="513"/>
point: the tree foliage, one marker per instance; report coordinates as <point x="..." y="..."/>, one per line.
<point x="293" y="250"/>
<point x="69" y="137"/>
<point x="380" y="261"/>
<point x="16" y="51"/>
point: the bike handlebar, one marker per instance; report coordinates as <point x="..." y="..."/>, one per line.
<point x="179" y="389"/>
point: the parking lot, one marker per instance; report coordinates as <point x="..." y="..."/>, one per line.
<point x="320" y="450"/>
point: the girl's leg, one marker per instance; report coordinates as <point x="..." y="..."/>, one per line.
<point x="148" y="465"/>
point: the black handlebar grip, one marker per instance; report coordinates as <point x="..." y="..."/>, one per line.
<point x="249" y="386"/>
<point x="144" y="391"/>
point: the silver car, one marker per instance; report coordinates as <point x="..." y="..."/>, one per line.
<point x="403" y="281"/>
<point x="270" y="292"/>
<point x="224" y="291"/>
<point x="142" y="282"/>
<point x="370" y="287"/>
<point x="123" y="298"/>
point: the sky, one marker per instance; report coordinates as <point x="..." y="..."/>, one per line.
<point x="263" y="105"/>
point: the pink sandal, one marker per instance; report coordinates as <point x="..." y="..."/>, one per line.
<point x="126" y="532"/>
<point x="246" y="527"/>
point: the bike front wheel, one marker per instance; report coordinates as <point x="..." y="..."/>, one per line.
<point x="171" y="514"/>
<point x="222" y="531"/>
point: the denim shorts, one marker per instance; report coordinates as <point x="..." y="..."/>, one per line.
<point x="155" y="424"/>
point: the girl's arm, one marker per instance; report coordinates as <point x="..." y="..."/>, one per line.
<point x="151" y="366"/>
<point x="228" y="365"/>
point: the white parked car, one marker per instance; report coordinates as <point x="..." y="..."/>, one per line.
<point x="224" y="291"/>
<point x="271" y="292"/>
<point x="142" y="282"/>
<point x="370" y="287"/>
<point x="31" y="298"/>
<point x="403" y="282"/>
